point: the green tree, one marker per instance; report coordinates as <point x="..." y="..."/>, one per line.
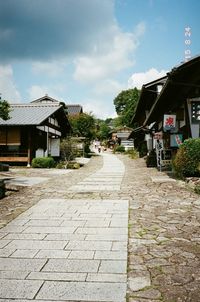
<point x="4" y="110"/>
<point x="103" y="131"/>
<point x="83" y="125"/>
<point x="125" y="105"/>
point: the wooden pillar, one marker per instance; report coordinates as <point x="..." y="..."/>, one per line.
<point x="29" y="149"/>
<point x="47" y="141"/>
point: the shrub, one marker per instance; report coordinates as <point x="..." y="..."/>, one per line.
<point x="133" y="153"/>
<point x="120" y="149"/>
<point x="87" y="148"/>
<point x="43" y="162"/>
<point x="197" y="189"/>
<point x="187" y="159"/>
<point x="73" y="165"/>
<point x="68" y="148"/>
<point x="61" y="165"/>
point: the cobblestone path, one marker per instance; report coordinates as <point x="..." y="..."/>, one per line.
<point x="164" y="236"/>
<point x="71" y="245"/>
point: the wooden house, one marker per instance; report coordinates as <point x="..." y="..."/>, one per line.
<point x="74" y="109"/>
<point x="33" y="130"/>
<point x="120" y="136"/>
<point x="169" y="108"/>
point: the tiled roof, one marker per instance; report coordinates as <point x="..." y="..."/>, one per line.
<point x="74" y="109"/>
<point x="29" y="114"/>
<point x="46" y="99"/>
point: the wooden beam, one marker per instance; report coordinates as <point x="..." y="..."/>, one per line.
<point x="13" y="159"/>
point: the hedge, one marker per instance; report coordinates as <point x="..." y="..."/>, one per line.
<point x="43" y="162"/>
<point x="187" y="159"/>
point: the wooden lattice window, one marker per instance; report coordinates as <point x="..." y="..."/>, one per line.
<point x="10" y="136"/>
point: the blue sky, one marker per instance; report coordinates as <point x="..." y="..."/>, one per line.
<point x="87" y="51"/>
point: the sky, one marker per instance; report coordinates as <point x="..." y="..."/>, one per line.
<point x="87" y="51"/>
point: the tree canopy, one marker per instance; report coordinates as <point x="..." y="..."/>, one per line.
<point x="102" y="130"/>
<point x="4" y="110"/>
<point x="125" y="105"/>
<point x="83" y="125"/>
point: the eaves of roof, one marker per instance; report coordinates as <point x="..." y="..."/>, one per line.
<point x="147" y="97"/>
<point x="29" y="114"/>
<point x="183" y="82"/>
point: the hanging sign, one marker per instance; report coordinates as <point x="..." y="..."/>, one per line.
<point x="195" y="107"/>
<point x="176" y="140"/>
<point x="166" y="157"/>
<point x="159" y="147"/>
<point x="169" y="122"/>
<point x="187" y="43"/>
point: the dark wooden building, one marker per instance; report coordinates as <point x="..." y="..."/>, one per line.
<point x="168" y="111"/>
<point x="33" y="130"/>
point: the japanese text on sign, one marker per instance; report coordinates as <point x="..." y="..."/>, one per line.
<point x="187" y="43"/>
<point x="169" y="122"/>
<point x="195" y="108"/>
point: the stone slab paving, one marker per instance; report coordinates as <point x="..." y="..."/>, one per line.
<point x="75" y="266"/>
<point x="108" y="178"/>
<point x="26" y="181"/>
<point x="164" y="236"/>
<point x="68" y="249"/>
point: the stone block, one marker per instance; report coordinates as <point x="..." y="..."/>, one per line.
<point x="100" y="277"/>
<point x="37" y="244"/>
<point x="113" y="255"/>
<point x="11" y="264"/>
<point x="81" y="255"/>
<point x="71" y="266"/>
<point x="24" y="254"/>
<point x="83" y="291"/>
<point x="57" y="276"/>
<point x="52" y="254"/>
<point x="19" y="289"/>
<point x="89" y="245"/>
<point x="50" y="230"/>
<point x="113" y="267"/>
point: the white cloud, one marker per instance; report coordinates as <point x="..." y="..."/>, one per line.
<point x="100" y="109"/>
<point x="111" y="56"/>
<point x="108" y="87"/>
<point x="8" y="88"/>
<point x="51" y="69"/>
<point x="141" y="78"/>
<point x="37" y="91"/>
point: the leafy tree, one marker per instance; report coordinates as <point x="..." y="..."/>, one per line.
<point x="83" y="125"/>
<point x="109" y="120"/>
<point x="125" y="105"/>
<point x="118" y="122"/>
<point x="4" y="110"/>
<point x="68" y="149"/>
<point x="103" y="131"/>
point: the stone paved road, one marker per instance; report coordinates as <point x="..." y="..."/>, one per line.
<point x="69" y="249"/>
<point x="164" y="236"/>
<point x="163" y="246"/>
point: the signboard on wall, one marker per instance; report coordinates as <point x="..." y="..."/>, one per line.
<point x="166" y="157"/>
<point x="195" y="112"/>
<point x="159" y="147"/>
<point x="176" y="140"/>
<point x="55" y="146"/>
<point x="169" y="122"/>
